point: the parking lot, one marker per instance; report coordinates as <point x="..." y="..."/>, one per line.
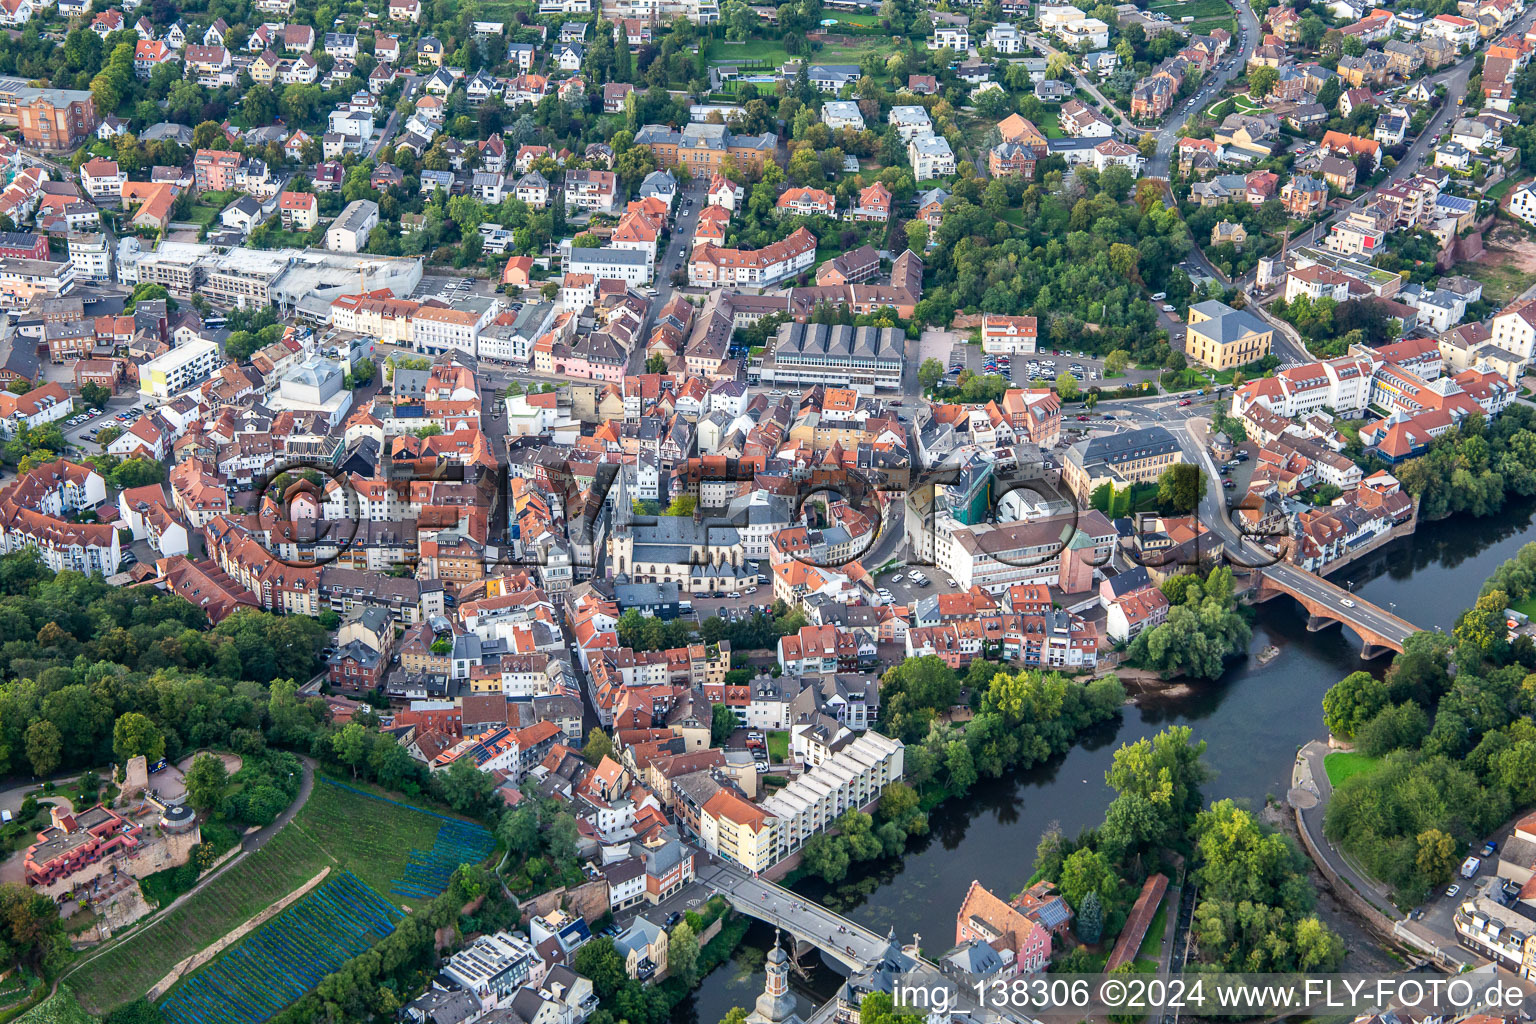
<point x="1087" y="368"/>
<point x="906" y="589"/>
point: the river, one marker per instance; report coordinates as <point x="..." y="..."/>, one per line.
<point x="1253" y="720"/>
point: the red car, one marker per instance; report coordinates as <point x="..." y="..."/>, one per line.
<point x="1082" y="418"/>
<point x="1183" y="402"/>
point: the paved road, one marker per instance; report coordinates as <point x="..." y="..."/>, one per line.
<point x="1363" y="613"/>
<point x="1309" y="777"/>
<point x="690" y="203"/>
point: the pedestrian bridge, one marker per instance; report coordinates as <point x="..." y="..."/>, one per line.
<point x="845" y="941"/>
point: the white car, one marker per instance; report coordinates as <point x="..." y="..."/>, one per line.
<point x="897" y="578"/>
<point x="1346" y="602"/>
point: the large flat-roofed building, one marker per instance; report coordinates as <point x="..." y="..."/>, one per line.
<point x="703" y="147"/>
<point x="53" y="119"/>
<point x="314" y="280"/>
<point x="1223" y="338"/>
<point x="1060" y="551"/>
<point x="862" y="358"/>
<point x="609" y="264"/>
<point x="179" y="369"/>
<point x="1131" y="457"/>
<point x="243" y="278"/>
<point x="22" y="281"/>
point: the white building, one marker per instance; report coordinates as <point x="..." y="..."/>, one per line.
<point x="931" y="157"/>
<point x="1343" y="385"/>
<point x="1522" y="202"/>
<point x="349" y="232"/>
<point x="179" y="369"/>
<point x="1514" y="329"/>
<point x="437" y="329"/>
<point x="607" y="264"/>
<point x="91" y="255"/>
<point x="842" y="114"/>
<point x="850" y="779"/>
<point x="1004" y="38"/>
<point x="910" y="122"/>
<point x="950" y="37"/>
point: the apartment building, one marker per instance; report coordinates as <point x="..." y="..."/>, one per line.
<point x="179" y="369"/>
<point x="851" y="779"/>
<point x="438" y="329"/>
<point x="711" y="265"/>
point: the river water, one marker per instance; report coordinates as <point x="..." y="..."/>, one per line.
<point x="1253" y="720"/>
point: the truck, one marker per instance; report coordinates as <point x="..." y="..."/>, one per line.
<point x="1469" y="867"/>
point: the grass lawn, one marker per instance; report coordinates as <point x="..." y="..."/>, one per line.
<point x="1526" y="607"/>
<point x="1343" y="765"/>
<point x="1152" y="943"/>
<point x="1501" y="281"/>
<point x="1050" y="124"/>
<point x="767" y="50"/>
<point x="336" y="828"/>
<point x="778" y="746"/>
<point x="1197" y="9"/>
<point x="1501" y="189"/>
<point x="867" y="20"/>
<point x="203" y="214"/>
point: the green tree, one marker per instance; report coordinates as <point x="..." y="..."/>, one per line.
<point x="350" y="745"/>
<point x="1090" y="918"/>
<point x="1438" y="854"/>
<point x="464" y="787"/>
<point x="1066" y="386"/>
<point x="683" y="954"/>
<point x="960" y="765"/>
<point x="1086" y="871"/>
<point x="205" y="782"/>
<point x="44" y="746"/>
<point x="1117" y="361"/>
<point x="1157" y="785"/>
<point x="1352" y="702"/>
<point x="135" y="734"/>
<point x="519" y="829"/>
<point x="1179" y="488"/>
<point x="930" y="373"/>
<point x="598" y="746"/>
<point x="1262" y="81"/>
<point x="722" y="722"/>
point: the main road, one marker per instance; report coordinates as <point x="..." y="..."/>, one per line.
<point x="1455" y="81"/>
<point x="1172" y="128"/>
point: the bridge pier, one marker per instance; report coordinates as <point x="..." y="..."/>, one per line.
<point x="1318" y="623"/>
<point x="1369" y="650"/>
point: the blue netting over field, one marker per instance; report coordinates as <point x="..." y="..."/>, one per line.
<point x="427" y="871"/>
<point x="285" y="957"/>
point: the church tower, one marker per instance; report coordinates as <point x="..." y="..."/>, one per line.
<point x="776" y="1005"/>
